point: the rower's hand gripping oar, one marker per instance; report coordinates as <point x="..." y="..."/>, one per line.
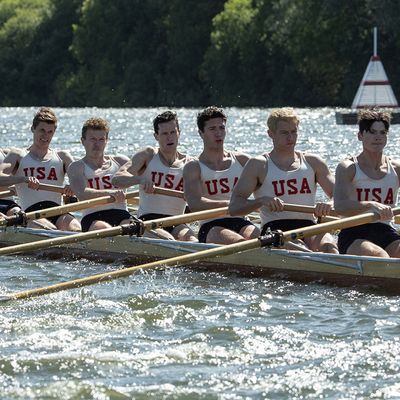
<point x="271" y="239"/>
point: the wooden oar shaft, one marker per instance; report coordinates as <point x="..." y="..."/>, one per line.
<point x="114" y="231"/>
<point x="201" y="255"/>
<point x="7" y="193"/>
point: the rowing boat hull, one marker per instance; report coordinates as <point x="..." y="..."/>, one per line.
<point x="277" y="263"/>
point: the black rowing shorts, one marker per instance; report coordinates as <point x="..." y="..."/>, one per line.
<point x="150" y="216"/>
<point x="378" y="233"/>
<point x="113" y="217"/>
<point x="286" y="224"/>
<point x="6" y="205"/>
<point x="42" y="205"/>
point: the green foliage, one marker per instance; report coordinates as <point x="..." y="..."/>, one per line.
<point x="191" y="53"/>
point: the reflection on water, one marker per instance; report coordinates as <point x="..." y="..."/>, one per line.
<point x="184" y="334"/>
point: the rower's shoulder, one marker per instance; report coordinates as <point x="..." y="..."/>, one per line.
<point x="147" y="152"/>
<point x="192" y="167"/>
<point x="120" y="159"/>
<point x="16" y="151"/>
<point x="241" y="157"/>
<point x="65" y="155"/>
<point x="313" y="158"/>
<point x="395" y="163"/>
<point x="76" y="166"/>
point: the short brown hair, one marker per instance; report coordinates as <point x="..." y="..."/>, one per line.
<point x="286" y="114"/>
<point x="166" y="116"/>
<point x="207" y="114"/>
<point x="97" y="124"/>
<point x="44" y="114"/>
<point x="368" y="116"/>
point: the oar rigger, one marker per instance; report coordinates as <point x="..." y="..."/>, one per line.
<point x="135" y="227"/>
<point x="19" y="218"/>
<point x="272" y="239"/>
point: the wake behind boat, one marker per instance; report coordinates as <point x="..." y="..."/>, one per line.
<point x="344" y="270"/>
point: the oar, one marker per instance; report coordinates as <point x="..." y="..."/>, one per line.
<point x="20" y="219"/>
<point x="272" y="239"/>
<point x="332" y="215"/>
<point x="7" y="193"/>
<point x="135" y="228"/>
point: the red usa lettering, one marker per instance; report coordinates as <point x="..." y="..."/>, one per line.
<point x="221" y="185"/>
<point x="375" y="194"/>
<point x="167" y="181"/>
<point x="100" y="182"/>
<point x="291" y="187"/>
<point x="41" y="173"/>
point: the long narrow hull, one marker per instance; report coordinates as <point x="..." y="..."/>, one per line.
<point x="299" y="266"/>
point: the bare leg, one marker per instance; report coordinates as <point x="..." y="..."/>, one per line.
<point x="394" y="249"/>
<point x="250" y="232"/>
<point x="67" y="222"/>
<point x="184" y="233"/>
<point x="220" y="235"/>
<point x="361" y="247"/>
<point x="325" y="243"/>
<point x="42" y="223"/>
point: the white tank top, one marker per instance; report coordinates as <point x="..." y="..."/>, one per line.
<point x="50" y="171"/>
<point x="382" y="190"/>
<point x="218" y="185"/>
<point x="167" y="178"/>
<point x="296" y="187"/>
<point x="100" y="179"/>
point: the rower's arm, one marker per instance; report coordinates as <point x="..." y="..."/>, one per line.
<point x="194" y="191"/>
<point x="66" y="157"/>
<point x="130" y="173"/>
<point x="253" y="173"/>
<point x="323" y="175"/>
<point x="9" y="167"/>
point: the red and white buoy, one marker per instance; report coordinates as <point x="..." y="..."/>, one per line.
<point x="375" y="89"/>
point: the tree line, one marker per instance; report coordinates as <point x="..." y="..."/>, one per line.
<point x="138" y="53"/>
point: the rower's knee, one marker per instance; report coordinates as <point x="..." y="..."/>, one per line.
<point x="96" y="225"/>
<point x="330" y="248"/>
<point x="366" y="248"/>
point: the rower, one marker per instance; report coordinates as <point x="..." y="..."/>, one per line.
<point x="209" y="181"/>
<point x="8" y="206"/>
<point x="90" y="177"/>
<point x="285" y="175"/>
<point x="159" y="167"/>
<point x="39" y="163"/>
<point x="369" y="182"/>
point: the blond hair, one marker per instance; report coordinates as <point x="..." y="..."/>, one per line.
<point x="286" y="114"/>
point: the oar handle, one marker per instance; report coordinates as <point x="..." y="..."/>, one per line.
<point x="304" y="209"/>
<point x="7" y="193"/>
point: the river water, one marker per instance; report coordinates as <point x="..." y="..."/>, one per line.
<point x="182" y="334"/>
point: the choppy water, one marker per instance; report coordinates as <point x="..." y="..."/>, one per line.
<point x="182" y="334"/>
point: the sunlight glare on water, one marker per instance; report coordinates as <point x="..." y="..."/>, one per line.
<point x="187" y="334"/>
